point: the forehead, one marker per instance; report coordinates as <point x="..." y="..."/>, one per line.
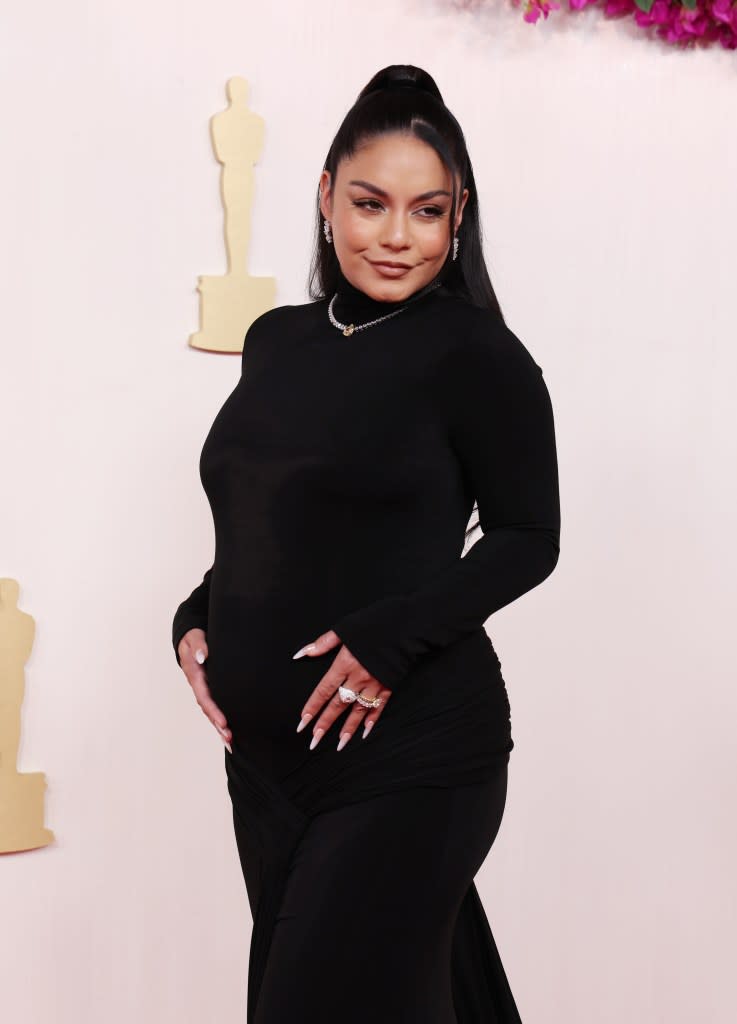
<point x="396" y="162"/>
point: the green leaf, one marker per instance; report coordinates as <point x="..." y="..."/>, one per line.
<point x="689" y="4"/>
<point x="645" y="5"/>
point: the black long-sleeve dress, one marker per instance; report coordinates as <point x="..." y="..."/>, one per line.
<point x="341" y="474"/>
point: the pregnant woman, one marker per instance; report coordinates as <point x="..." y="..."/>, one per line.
<point x="337" y="642"/>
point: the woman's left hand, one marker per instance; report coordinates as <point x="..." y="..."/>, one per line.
<point x="347" y="671"/>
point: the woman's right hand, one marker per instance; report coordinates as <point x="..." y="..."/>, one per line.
<point x="192" y="656"/>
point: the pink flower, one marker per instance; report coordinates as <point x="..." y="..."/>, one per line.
<point x="660" y="13"/>
<point x="707" y="22"/>
<point x="617" y="7"/>
<point x="537" y="7"/>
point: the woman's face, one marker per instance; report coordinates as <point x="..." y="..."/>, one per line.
<point x="390" y="203"/>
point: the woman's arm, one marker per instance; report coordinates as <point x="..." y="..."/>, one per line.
<point x="500" y="423"/>
<point x="192" y="612"/>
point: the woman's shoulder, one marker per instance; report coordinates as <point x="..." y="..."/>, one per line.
<point x="272" y="321"/>
<point x="477" y="336"/>
<point x="274" y="315"/>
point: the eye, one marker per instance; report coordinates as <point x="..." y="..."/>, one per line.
<point x="365" y="202"/>
<point x="428" y="212"/>
<point x="434" y="211"/>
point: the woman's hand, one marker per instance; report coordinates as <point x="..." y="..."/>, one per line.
<point x="345" y="671"/>
<point x="192" y="652"/>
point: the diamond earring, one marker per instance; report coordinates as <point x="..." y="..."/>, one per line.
<point x="328" y="233"/>
<point x="455" y="246"/>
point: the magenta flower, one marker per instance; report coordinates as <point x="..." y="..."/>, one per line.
<point x="702" y="21"/>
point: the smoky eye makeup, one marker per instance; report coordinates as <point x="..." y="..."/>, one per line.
<point x="366" y="203"/>
<point x="429" y="212"/>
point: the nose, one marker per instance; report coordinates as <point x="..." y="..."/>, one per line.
<point x="396" y="233"/>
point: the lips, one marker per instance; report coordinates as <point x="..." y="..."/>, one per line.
<point x="385" y="263"/>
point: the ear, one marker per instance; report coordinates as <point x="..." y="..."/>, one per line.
<point x="326" y="195"/>
<point x="459" y="211"/>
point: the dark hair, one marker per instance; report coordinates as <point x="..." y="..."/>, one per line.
<point x="404" y="98"/>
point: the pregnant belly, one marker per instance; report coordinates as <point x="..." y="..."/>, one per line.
<point x="251" y="671"/>
<point x="261" y="689"/>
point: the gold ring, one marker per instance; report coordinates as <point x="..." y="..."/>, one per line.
<point x="368" y="702"/>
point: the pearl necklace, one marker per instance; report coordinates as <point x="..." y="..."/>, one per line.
<point x="349" y="329"/>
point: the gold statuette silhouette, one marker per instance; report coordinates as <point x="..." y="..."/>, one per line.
<point x="229" y="304"/>
<point x="21" y="794"/>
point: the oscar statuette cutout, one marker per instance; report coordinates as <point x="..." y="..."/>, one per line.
<point x="21" y="793"/>
<point x="230" y="303"/>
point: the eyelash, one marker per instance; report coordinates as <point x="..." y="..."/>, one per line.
<point x="436" y="211"/>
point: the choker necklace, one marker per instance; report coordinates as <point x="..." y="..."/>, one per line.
<point x="349" y="329"/>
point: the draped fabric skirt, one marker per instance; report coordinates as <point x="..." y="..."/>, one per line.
<point x="363" y="902"/>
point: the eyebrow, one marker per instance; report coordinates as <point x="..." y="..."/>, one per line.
<point x="380" y="191"/>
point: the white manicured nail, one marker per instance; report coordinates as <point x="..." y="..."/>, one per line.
<point x="199" y="656"/>
<point x="367" y="730"/>
<point x="303" y="721"/>
<point x="319" y="733"/>
<point x="222" y="737"/>
<point x="303" y="650"/>
<point x="343" y="740"/>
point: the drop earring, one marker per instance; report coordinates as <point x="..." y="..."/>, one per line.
<point x="455" y="246"/>
<point x="328" y="233"/>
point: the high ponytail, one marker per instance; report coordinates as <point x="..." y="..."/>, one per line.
<point x="399" y="76"/>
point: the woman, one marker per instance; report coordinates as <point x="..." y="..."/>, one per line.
<point x="341" y="473"/>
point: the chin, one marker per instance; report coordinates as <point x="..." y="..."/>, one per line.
<point x="392" y="292"/>
<point x="373" y="284"/>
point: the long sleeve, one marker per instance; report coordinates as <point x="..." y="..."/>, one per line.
<point x="192" y="612"/>
<point x="500" y="423"/>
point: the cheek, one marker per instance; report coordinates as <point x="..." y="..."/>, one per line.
<point x="358" y="232"/>
<point x="432" y="241"/>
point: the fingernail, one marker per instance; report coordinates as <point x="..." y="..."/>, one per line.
<point x="319" y="733"/>
<point x="199" y="656"/>
<point x="303" y="650"/>
<point x="222" y="737"/>
<point x="367" y="730"/>
<point x="343" y="740"/>
<point x="303" y="721"/>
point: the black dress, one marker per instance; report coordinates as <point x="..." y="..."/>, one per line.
<point x="341" y="474"/>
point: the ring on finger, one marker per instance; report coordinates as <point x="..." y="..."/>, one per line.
<point x="347" y="696"/>
<point x="368" y="702"/>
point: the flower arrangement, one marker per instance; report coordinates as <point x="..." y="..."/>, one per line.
<point x="681" y="22"/>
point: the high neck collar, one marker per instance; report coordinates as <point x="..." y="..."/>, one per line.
<point x="355" y="306"/>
